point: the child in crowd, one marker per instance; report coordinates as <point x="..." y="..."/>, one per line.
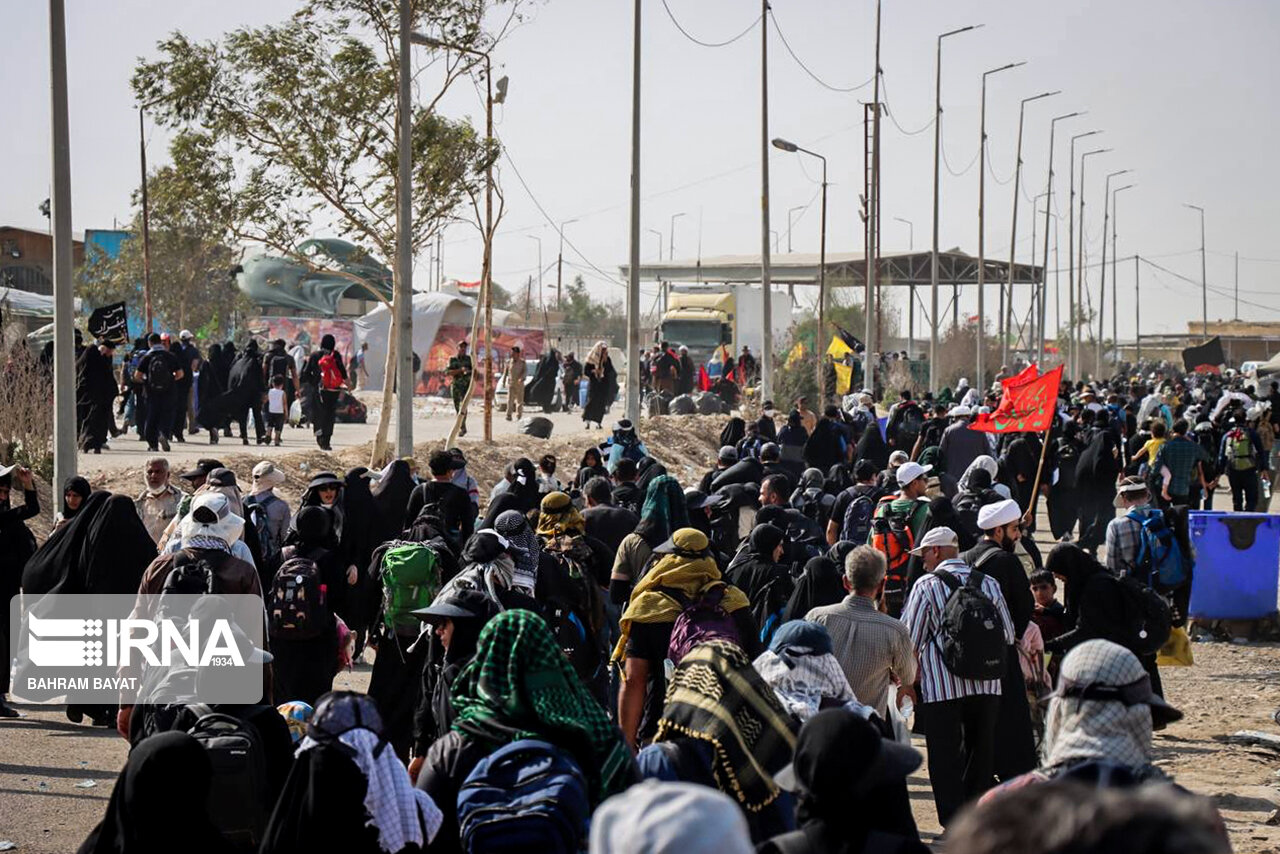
<point x="547" y="480"/>
<point x="277" y="406"/>
<point x="1049" y="614"/>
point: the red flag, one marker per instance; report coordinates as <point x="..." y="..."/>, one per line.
<point x="1030" y="407"/>
<point x="704" y="380"/>
<point x="1029" y="373"/>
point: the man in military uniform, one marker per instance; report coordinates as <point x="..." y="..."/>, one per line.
<point x="459" y="373"/>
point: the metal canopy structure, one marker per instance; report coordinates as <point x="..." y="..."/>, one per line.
<point x="844" y="269"/>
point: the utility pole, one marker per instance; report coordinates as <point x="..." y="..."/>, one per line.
<point x="633" y="273"/>
<point x="1044" y="277"/>
<point x="1080" y="291"/>
<point x="982" y="219"/>
<point x="1204" y="279"/>
<point x="146" y="225"/>
<point x="402" y="305"/>
<point x="64" y="368"/>
<point x="539" y="241"/>
<point x="790" y="224"/>
<point x="911" y="289"/>
<point x="1115" y="254"/>
<point x="784" y="145"/>
<point x="1005" y="319"/>
<point x="1236" y="314"/>
<point x="937" y="180"/>
<point x="766" y="282"/>
<point x="874" y="344"/>
<point x="1102" y="290"/>
<point x="657" y="234"/>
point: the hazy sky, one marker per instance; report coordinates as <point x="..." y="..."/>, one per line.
<point x="1185" y="92"/>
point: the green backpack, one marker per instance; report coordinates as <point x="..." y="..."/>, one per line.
<point x="1241" y="450"/>
<point x="410" y="580"/>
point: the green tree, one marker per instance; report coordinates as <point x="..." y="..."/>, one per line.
<point x="191" y="259"/>
<point x="309" y="107"/>
<point x="582" y="311"/>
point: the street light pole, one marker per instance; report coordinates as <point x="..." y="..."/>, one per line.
<point x="1204" y="279"/>
<point x="911" y="288"/>
<point x="982" y="217"/>
<point x="487" y="267"/>
<point x="1047" y="205"/>
<point x="937" y="182"/>
<point x="539" y="240"/>
<point x="1115" y="252"/>
<point x="560" y="262"/>
<point x="1102" y="289"/>
<point x="1007" y="318"/>
<point x="64" y="368"/>
<point x="784" y="145"/>
<point x="633" y="273"/>
<point x="1080" y="293"/>
<point x="1071" y="251"/>
<point x="790" y="225"/>
<point x="671" y="244"/>
<point x="657" y="234"/>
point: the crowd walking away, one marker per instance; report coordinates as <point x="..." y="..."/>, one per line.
<point x="629" y="656"/>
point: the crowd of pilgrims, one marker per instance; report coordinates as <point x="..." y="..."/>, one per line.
<point x="621" y="661"/>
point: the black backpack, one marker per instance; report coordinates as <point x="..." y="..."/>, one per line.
<point x="856" y="524"/>
<point x="238" y="793"/>
<point x="160" y="372"/>
<point x="279" y="365"/>
<point x="971" y="635"/>
<point x="1148" y="617"/>
<point x="910" y="425"/>
<point x="295" y="605"/>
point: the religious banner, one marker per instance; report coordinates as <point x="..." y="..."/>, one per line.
<point x="1026" y="375"/>
<point x="1207" y="358"/>
<point x="844" y="378"/>
<point x="843" y="342"/>
<point x="110" y="324"/>
<point x="1028" y="408"/>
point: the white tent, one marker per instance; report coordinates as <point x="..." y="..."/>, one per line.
<point x="430" y="311"/>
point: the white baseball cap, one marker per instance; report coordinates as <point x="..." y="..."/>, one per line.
<point x="997" y="514"/>
<point x="934" y="537"/>
<point x="910" y="471"/>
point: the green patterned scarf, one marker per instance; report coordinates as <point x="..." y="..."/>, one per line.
<point x="717" y="696"/>
<point x="519" y="685"/>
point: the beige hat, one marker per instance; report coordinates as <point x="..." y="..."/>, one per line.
<point x="934" y="537"/>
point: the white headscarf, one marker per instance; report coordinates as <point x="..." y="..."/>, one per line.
<point x="982" y="462"/>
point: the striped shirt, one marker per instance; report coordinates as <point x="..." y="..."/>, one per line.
<point x="923" y="616"/>
<point x="871" y="647"/>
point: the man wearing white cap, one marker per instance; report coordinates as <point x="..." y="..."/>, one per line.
<point x="1001" y="527"/>
<point x="270" y="512"/>
<point x="899" y="522"/>
<point x="959" y="447"/>
<point x="959" y="714"/>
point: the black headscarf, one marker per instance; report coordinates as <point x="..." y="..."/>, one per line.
<point x="821" y="582"/>
<point x="390" y="498"/>
<point x="1076" y="568"/>
<point x="872" y="447"/>
<point x="360" y="514"/>
<point x="80" y="487"/>
<point x="210" y="388"/>
<point x="521" y="497"/>
<point x="158" y="803"/>
<point x="104" y="549"/>
<point x="943" y="514"/>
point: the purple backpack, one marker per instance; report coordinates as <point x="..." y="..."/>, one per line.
<point x="700" y="620"/>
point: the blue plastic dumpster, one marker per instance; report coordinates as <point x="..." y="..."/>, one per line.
<point x="1237" y="568"/>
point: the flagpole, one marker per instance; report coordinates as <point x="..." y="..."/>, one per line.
<point x="1030" y="517"/>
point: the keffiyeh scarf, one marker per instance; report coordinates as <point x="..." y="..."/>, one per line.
<point x="802" y="681"/>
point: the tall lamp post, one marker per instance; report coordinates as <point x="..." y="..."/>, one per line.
<point x="784" y="145"/>
<point x="790" y="224"/>
<point x="671" y="243"/>
<point x="1053" y="124"/>
<point x="1204" y="279"/>
<point x="1006" y="317"/>
<point x="487" y="278"/>
<point x="146" y="221"/>
<point x="1102" y="289"/>
<point x="1080" y="292"/>
<point x="632" y="403"/>
<point x="1115" y="252"/>
<point x="766" y="271"/>
<point x="982" y="218"/>
<point x="560" y="261"/>
<point x="937" y="181"/>
<point x="1071" y="253"/>
<point x="657" y="234"/>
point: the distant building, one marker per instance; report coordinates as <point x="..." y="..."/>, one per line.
<point x="26" y="259"/>
<point x="1242" y="341"/>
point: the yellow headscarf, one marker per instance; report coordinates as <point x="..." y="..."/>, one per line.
<point x="685" y="571"/>
<point x="558" y="517"/>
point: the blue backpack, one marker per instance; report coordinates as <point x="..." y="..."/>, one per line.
<point x="527" y="796"/>
<point x="1161" y="562"/>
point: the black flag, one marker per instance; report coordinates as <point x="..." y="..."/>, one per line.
<point x="1207" y="357"/>
<point x="110" y="324"/>
<point x="850" y="340"/>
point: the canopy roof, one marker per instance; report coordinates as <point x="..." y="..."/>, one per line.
<point x="845" y="268"/>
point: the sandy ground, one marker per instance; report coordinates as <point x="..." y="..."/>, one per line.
<point x="56" y="777"/>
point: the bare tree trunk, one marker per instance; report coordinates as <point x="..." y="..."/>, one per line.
<point x="466" y="400"/>
<point x="377" y="457"/>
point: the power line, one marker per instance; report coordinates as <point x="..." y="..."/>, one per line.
<point x="699" y="41"/>
<point x="884" y="85"/>
<point x="947" y="162"/>
<point x="824" y="84"/>
<point x="1223" y="292"/>
<point x="991" y="170"/>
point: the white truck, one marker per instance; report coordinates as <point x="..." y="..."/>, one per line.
<point x="702" y="317"/>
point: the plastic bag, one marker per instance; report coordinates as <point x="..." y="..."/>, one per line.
<point x="295" y="413"/>
<point x="1176" y="651"/>
<point x="901" y="726"/>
